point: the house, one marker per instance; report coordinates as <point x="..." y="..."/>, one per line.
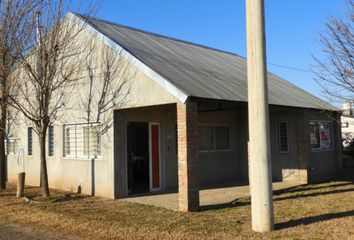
<point x="184" y="126"/>
<point x="347" y="120"/>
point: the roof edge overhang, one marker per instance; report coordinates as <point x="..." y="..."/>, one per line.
<point x="163" y="82"/>
<point x="319" y="108"/>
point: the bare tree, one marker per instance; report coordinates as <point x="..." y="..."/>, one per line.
<point x="15" y="25"/>
<point x="110" y="77"/>
<point x="335" y="73"/>
<point x="106" y="86"/>
<point x="50" y="72"/>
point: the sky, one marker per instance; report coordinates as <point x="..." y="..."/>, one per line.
<point x="292" y="28"/>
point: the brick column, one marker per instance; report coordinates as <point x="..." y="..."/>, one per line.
<point x="187" y="140"/>
<point x="304" y="144"/>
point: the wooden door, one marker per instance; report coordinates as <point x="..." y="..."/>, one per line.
<point x="155" y="158"/>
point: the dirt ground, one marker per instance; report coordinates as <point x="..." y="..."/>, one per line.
<point x="318" y="211"/>
<point x="19" y="232"/>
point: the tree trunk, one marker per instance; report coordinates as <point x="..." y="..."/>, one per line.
<point x="2" y="149"/>
<point x="21" y="185"/>
<point x="44" y="174"/>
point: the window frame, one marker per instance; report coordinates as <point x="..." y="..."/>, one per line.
<point x="214" y="150"/>
<point x="331" y="136"/>
<point x="279" y="138"/>
<point x="75" y="156"/>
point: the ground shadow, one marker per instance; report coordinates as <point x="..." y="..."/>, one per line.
<point x="146" y="194"/>
<point x="239" y="202"/>
<point x="223" y="185"/>
<point x="247" y="200"/>
<point x="314" y="219"/>
<point x="304" y="188"/>
<point x="313" y="194"/>
<point x="66" y="198"/>
<point x="6" y="194"/>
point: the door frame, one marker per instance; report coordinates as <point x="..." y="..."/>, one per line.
<point x="150" y="158"/>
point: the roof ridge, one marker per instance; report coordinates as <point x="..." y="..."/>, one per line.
<point x="159" y="35"/>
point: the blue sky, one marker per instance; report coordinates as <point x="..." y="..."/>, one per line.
<point x="292" y="27"/>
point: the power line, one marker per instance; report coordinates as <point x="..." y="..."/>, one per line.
<point x="291" y="68"/>
<point x="283" y="66"/>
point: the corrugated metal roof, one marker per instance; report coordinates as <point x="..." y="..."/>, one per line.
<point x="201" y="71"/>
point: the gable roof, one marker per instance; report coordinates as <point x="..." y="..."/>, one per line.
<point x="188" y="69"/>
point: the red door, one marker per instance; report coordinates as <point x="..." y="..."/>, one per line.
<point x="155" y="155"/>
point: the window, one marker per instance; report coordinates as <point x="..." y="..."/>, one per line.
<point x="214" y="138"/>
<point x="11" y="146"/>
<point x="345" y="124"/>
<point x="283" y="144"/>
<point x="29" y="141"/>
<point x="51" y="140"/>
<point x="320" y="135"/>
<point x="82" y="140"/>
<point x="92" y="141"/>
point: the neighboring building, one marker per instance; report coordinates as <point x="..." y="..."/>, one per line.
<point x="347" y="120"/>
<point x="184" y="126"/>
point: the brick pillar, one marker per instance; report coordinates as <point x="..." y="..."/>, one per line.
<point x="187" y="140"/>
<point x="338" y="144"/>
<point x="304" y="144"/>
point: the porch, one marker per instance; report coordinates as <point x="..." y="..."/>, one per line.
<point x="209" y="198"/>
<point x="198" y="144"/>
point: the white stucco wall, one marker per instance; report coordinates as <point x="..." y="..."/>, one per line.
<point x="69" y="173"/>
<point x="347" y="126"/>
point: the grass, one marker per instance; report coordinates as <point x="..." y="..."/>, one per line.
<point x="320" y="211"/>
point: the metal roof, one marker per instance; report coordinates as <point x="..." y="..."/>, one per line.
<point x="200" y="71"/>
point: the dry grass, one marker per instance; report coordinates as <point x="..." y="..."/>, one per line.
<point x="321" y="211"/>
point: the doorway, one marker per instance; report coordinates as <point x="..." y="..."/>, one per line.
<point x="144" y="157"/>
<point x="138" y="157"/>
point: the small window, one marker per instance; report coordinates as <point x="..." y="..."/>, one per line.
<point x="51" y="140"/>
<point x="82" y="140"/>
<point x="214" y="138"/>
<point x="11" y="146"/>
<point x="283" y="143"/>
<point x="29" y="141"/>
<point x="320" y="135"/>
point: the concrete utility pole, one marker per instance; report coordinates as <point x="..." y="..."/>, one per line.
<point x="260" y="173"/>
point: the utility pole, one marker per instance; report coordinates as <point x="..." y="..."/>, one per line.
<point x="38" y="31"/>
<point x="260" y="173"/>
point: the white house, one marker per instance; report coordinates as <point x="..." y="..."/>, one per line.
<point x="184" y="126"/>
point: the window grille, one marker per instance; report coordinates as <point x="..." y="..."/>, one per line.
<point x="82" y="140"/>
